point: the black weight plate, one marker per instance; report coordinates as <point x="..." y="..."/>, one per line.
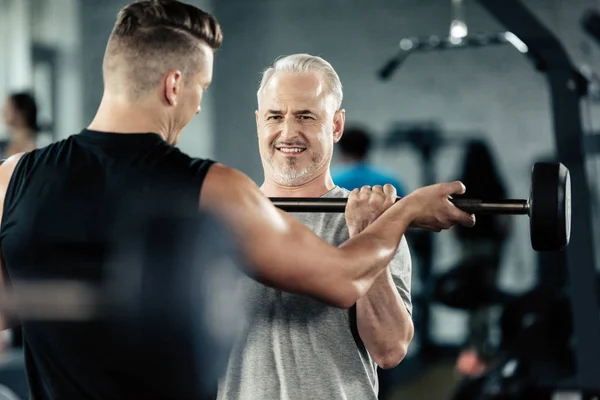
<point x="550" y="207"/>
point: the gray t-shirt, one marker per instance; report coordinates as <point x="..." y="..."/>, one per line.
<point x="295" y="347"/>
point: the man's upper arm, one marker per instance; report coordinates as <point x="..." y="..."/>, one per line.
<point x="6" y="170"/>
<point x="401" y="269"/>
<point x="281" y="250"/>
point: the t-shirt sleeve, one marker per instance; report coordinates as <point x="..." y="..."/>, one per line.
<point x="401" y="269"/>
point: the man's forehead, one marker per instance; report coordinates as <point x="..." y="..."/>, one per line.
<point x="306" y="89"/>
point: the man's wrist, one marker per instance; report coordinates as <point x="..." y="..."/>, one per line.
<point x="405" y="209"/>
<point x="353" y="232"/>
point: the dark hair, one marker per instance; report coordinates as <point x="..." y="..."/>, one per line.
<point x="152" y="36"/>
<point x="25" y="104"/>
<point x="355" y="143"/>
<point x="162" y="23"/>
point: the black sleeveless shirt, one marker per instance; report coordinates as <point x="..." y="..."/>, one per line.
<point x="58" y="222"/>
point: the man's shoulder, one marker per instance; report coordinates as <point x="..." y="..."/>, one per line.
<point x="337" y="192"/>
<point x="201" y="164"/>
<point x="183" y="161"/>
<point x="42" y="152"/>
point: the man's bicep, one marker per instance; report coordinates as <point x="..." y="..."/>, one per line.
<point x="401" y="270"/>
<point x="265" y="234"/>
<point x="7" y="168"/>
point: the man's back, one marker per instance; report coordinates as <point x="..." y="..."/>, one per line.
<point x="61" y="213"/>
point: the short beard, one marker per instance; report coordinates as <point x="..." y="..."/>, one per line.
<point x="290" y="175"/>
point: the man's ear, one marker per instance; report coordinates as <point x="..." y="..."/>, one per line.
<point x="256" y="115"/>
<point x="173" y="86"/>
<point x="339" y="119"/>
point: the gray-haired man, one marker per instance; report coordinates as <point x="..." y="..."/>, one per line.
<point x="295" y="347"/>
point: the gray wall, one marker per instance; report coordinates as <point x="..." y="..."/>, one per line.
<point x="97" y="19"/>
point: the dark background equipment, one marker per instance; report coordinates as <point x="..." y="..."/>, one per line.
<point x="567" y="87"/>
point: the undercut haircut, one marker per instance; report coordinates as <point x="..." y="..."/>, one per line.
<point x="151" y="37"/>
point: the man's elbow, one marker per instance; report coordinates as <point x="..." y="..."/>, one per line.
<point x="391" y="357"/>
<point x="343" y="298"/>
<point x="348" y="293"/>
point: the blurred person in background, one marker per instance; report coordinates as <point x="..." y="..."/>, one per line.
<point x="356" y="170"/>
<point x="482" y="250"/>
<point x="20" y="115"/>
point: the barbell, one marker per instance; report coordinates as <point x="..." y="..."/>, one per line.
<point x="193" y="248"/>
<point x="548" y="206"/>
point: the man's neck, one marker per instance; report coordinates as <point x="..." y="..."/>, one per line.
<point x="119" y="116"/>
<point x="316" y="187"/>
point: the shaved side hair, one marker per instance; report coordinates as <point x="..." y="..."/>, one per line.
<point x="152" y="37"/>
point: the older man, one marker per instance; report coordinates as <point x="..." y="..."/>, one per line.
<point x="295" y="347"/>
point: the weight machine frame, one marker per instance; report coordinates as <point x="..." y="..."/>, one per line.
<point x="567" y="88"/>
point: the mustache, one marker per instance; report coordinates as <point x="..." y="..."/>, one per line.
<point x="292" y="143"/>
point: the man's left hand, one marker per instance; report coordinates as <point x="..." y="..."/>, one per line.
<point x="370" y="203"/>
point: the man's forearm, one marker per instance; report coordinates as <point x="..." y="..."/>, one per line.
<point x="384" y="324"/>
<point x="366" y="258"/>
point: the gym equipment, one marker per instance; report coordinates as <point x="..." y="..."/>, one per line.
<point x="534" y="352"/>
<point x="410" y="45"/>
<point x="538" y="325"/>
<point x="549" y="206"/>
<point x="510" y="379"/>
<point x="566" y="88"/>
<point x="466" y="287"/>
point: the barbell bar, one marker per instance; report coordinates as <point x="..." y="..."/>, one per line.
<point x="548" y="206"/>
<point x="338" y="205"/>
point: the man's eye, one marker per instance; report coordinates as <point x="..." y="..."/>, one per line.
<point x="271" y="117"/>
<point x="305" y="117"/>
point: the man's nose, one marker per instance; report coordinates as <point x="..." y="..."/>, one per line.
<point x="288" y="129"/>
